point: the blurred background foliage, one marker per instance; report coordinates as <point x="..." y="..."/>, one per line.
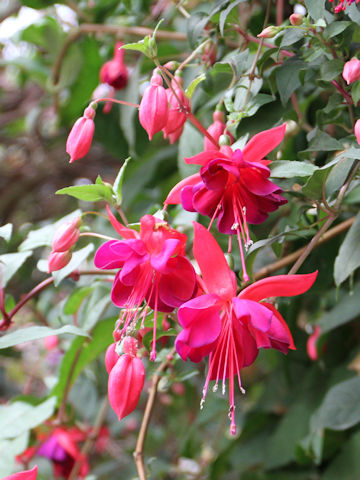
<point x="299" y="419"/>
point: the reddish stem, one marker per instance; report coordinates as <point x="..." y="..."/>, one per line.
<point x="198" y="125"/>
<point x="343" y="93"/>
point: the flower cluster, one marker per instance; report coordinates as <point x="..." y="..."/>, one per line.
<point x="64" y="239"/>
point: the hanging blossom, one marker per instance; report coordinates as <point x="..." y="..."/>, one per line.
<point x="24" y="475"/>
<point x="342" y="4"/>
<point x="152" y="267"/>
<point x="233" y="186"/>
<point x="231" y="328"/>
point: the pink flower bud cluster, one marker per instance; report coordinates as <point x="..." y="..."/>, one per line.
<point x="164" y="109"/>
<point x="65" y="237"/>
<point x="126" y="377"/>
<point x="80" y="137"/>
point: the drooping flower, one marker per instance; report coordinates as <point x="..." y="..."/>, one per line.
<point x="126" y="380"/>
<point x="24" y="475"/>
<point x="114" y="72"/>
<point x="80" y="137"/>
<point x="216" y="129"/>
<point x="153" y="109"/>
<point x="178" y="106"/>
<point x="58" y="260"/>
<point x="152" y="267"/>
<point x="66" y="235"/>
<point x="231" y="328"/>
<point x="342" y="4"/>
<point x="351" y="71"/>
<point x="357" y="130"/>
<point x="233" y="186"/>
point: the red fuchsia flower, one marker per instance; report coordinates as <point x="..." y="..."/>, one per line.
<point x="24" y="475"/>
<point x="153" y="109"/>
<point x="58" y="260"/>
<point x="152" y="267"/>
<point x="79" y="140"/>
<point x="233" y="186"/>
<point x="126" y="380"/>
<point x="357" y="130"/>
<point x="351" y="71"/>
<point x="231" y="328"/>
<point x="342" y="4"/>
<point x="111" y="357"/>
<point x="216" y="129"/>
<point x="311" y="347"/>
<point x="66" y="235"/>
<point x="62" y="449"/>
<point x="114" y="72"/>
<point x="178" y="106"/>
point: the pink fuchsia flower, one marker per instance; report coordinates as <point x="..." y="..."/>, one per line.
<point x="24" y="475"/>
<point x="178" y="107"/>
<point x="342" y="4"/>
<point x="80" y="137"/>
<point x="233" y="186"/>
<point x="126" y="380"/>
<point x="114" y="72"/>
<point x="66" y="235"/>
<point x="153" y="109"/>
<point x="174" y="136"/>
<point x="216" y="129"/>
<point x="357" y="130"/>
<point x="231" y="328"/>
<point x="58" y="260"/>
<point x="51" y="342"/>
<point x="351" y="71"/>
<point x="311" y="347"/>
<point x="152" y="267"/>
<point x="296" y="19"/>
<point x="62" y="449"/>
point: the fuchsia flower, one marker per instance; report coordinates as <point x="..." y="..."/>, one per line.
<point x="58" y="260"/>
<point x="342" y="4"/>
<point x="24" y="475"/>
<point x="357" y="130"/>
<point x="66" y="235"/>
<point x="351" y="71"/>
<point x="153" y="109"/>
<point x="114" y="72"/>
<point x="233" y="186"/>
<point x="80" y="137"/>
<point x="126" y="378"/>
<point x="231" y="328"/>
<point x="216" y="129"/>
<point x="178" y="106"/>
<point x="152" y="267"/>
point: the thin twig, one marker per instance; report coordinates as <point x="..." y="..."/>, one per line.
<point x="139" y="449"/>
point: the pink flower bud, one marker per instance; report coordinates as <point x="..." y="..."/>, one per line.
<point x="269" y="32"/>
<point x="126" y="380"/>
<point x="58" y="260"/>
<point x="351" y="71"/>
<point x="51" y="342"/>
<point x="216" y="129"/>
<point x="24" y="475"/>
<point x="174" y="137"/>
<point x="79" y="140"/>
<point x="66" y="235"/>
<point x="176" y="113"/>
<point x="111" y="357"/>
<point x="114" y="72"/>
<point x="153" y="109"/>
<point x="357" y="130"/>
<point x="296" y="19"/>
<point x="311" y="344"/>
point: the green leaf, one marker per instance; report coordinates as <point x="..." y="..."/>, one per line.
<point x="338" y="175"/>
<point x="29" y="334"/>
<point x="331" y="69"/>
<point x="346" y="465"/>
<point x="88" y="193"/>
<point x="6" y="231"/>
<point x="340" y="409"/>
<point x="9" y="449"/>
<point x="195" y="27"/>
<point x="292" y="36"/>
<point x="191" y="88"/>
<point x="316" y="9"/>
<point x="355" y="92"/>
<point x="38" y="4"/>
<point x="81" y="353"/>
<point x="148" y="338"/>
<point x="117" y="188"/>
<point x="347" y="309"/>
<point x="313" y="186"/>
<point x="19" y="417"/>
<point x="335" y="28"/>
<point x="290" y="169"/>
<point x="287" y="77"/>
<point x="348" y="258"/>
<point x="95" y="307"/>
<point x="76" y="260"/>
<point x="75" y="299"/>
<point x="226" y="12"/>
<point x="10" y="264"/>
<point x="323" y="141"/>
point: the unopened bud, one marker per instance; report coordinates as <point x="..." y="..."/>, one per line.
<point x="80" y="137"/>
<point x="296" y="19"/>
<point x="269" y="32"/>
<point x="58" y="260"/>
<point x="66" y="235"/>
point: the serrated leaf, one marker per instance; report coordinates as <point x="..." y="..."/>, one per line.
<point x="348" y="258"/>
<point x="29" y="334"/>
<point x="88" y="193"/>
<point x="19" y="417"/>
<point x="290" y="169"/>
<point x="6" y="231"/>
<point x="10" y="264"/>
<point x="76" y="260"/>
<point x="117" y="187"/>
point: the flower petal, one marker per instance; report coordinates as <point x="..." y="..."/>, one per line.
<point x="204" y="157"/>
<point x="255" y="313"/>
<point x="24" y="475"/>
<point x="174" y="195"/>
<point x="194" y="354"/>
<point x="105" y="258"/>
<point x="121" y="230"/>
<point x="262" y="143"/>
<point x="178" y="286"/>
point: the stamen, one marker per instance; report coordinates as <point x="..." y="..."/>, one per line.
<point x="153" y="350"/>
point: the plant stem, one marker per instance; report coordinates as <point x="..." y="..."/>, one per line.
<point x="139" y="449"/>
<point x="191" y="117"/>
<point x="193" y="54"/>
<point x="114" y="100"/>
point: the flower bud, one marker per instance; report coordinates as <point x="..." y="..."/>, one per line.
<point x="269" y="32"/>
<point x="66" y="235"/>
<point x="311" y="344"/>
<point x="79" y="140"/>
<point x="296" y="19"/>
<point x="153" y="109"/>
<point x="129" y="346"/>
<point x="58" y="260"/>
<point x="24" y="475"/>
<point x="357" y="130"/>
<point x="51" y="342"/>
<point x="351" y="71"/>
<point x="114" y="72"/>
<point x="216" y="130"/>
<point x="126" y="381"/>
<point x="111" y="357"/>
<point x="176" y="113"/>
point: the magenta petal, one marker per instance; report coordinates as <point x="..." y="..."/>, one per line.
<point x="178" y="286"/>
<point x="123" y="231"/>
<point x="130" y="270"/>
<point x="262" y="143"/>
<point x="120" y="293"/>
<point x="204" y="157"/>
<point x="105" y="257"/>
<point x="205" y="201"/>
<point x="174" y="195"/>
<point x="194" y="354"/>
<point x="24" y="475"/>
<point x="188" y="312"/>
<point x="160" y="261"/>
<point x="258" y="315"/>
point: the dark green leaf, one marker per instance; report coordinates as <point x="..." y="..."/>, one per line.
<point x="335" y="28"/>
<point x="226" y="12"/>
<point x="316" y="9"/>
<point x="287" y="77"/>
<point x="290" y="169"/>
<point x="331" y="69"/>
<point x="338" y="175"/>
<point x="355" y="92"/>
<point x="348" y="258"/>
<point x="292" y="36"/>
<point x="75" y="299"/>
<point x="345" y="466"/>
